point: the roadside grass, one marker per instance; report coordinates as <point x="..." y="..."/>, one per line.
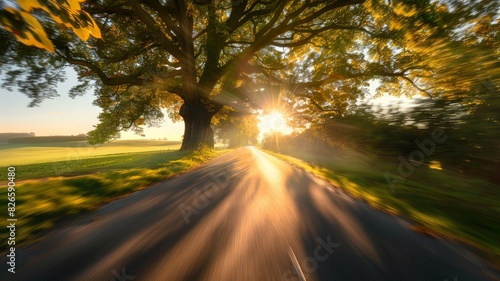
<point x="41" y="203"/>
<point x="439" y="203"/>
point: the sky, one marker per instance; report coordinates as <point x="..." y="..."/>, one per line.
<point x="66" y="116"/>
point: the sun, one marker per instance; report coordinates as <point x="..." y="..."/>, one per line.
<point x="273" y="122"/>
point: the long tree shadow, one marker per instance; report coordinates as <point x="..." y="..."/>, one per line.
<point x="318" y="226"/>
<point x="366" y="244"/>
<point x="130" y="218"/>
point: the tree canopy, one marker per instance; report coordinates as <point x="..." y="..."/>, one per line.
<point x="194" y="57"/>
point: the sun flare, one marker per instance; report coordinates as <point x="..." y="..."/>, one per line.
<point x="273" y="122"/>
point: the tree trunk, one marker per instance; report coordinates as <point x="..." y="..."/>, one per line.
<point x="197" y="130"/>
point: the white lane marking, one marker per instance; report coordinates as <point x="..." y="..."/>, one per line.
<point x="296" y="264"/>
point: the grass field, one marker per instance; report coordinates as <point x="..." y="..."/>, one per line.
<point x="439" y="203"/>
<point x="73" y="158"/>
<point x="21" y="154"/>
<point x="50" y="192"/>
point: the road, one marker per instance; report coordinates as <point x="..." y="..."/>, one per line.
<point x="244" y="216"/>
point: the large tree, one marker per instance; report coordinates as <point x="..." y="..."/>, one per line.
<point x="194" y="57"/>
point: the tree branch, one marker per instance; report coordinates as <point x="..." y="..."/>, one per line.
<point x="130" y="79"/>
<point x="317" y="105"/>
<point x="425" y="91"/>
<point x="151" y="24"/>
<point x="297" y="86"/>
<point x="268" y="33"/>
<point x="128" y="54"/>
<point x="164" y="12"/>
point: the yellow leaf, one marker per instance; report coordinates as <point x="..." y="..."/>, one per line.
<point x="75" y="4"/>
<point x="94" y="29"/>
<point x="35" y="28"/>
<point x="59" y="19"/>
<point x="28" y="5"/>
<point x="67" y="13"/>
<point x="83" y="33"/>
<point x="30" y="40"/>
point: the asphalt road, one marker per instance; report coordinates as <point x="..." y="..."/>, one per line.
<point x="244" y="216"/>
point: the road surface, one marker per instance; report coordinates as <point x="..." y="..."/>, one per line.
<point x="244" y="216"/>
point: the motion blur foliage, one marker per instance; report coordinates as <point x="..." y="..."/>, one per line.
<point x="472" y="145"/>
<point x="471" y="124"/>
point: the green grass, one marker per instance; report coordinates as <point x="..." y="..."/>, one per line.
<point x="42" y="202"/>
<point x="439" y="203"/>
<point x="92" y="164"/>
<point x="38" y="153"/>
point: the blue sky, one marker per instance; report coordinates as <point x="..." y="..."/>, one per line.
<point x="64" y="115"/>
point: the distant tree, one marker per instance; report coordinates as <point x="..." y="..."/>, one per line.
<point x="236" y="128"/>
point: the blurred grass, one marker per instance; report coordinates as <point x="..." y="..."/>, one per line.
<point x="438" y="202"/>
<point x="43" y="202"/>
